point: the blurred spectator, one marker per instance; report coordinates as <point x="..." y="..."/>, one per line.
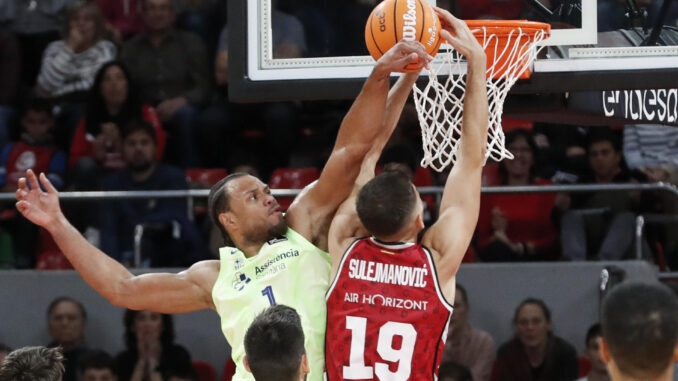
<point x="97" y="146"/>
<point x="34" y="151"/>
<point x="598" y="370"/>
<point x="450" y="371"/>
<point x="4" y="351"/>
<point x="69" y="65"/>
<point x="35" y="24"/>
<point x="170" y="68"/>
<point x="562" y="152"/>
<point x="225" y="122"/>
<point x="123" y="17"/>
<point x="176" y="375"/>
<point x="33" y="363"/>
<point x="640" y="332"/>
<point x="151" y="352"/>
<point x="535" y="353"/>
<point x="518" y="226"/>
<point x="10" y="75"/>
<point x="204" y="18"/>
<point x="66" y="318"/>
<point x="465" y="345"/>
<point x="182" y="245"/>
<point x="96" y="366"/>
<point x="601" y="225"/>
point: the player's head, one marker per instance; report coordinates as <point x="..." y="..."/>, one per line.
<point x="242" y="206"/>
<point x="592" y="351"/>
<point x="532" y="320"/>
<point x="389" y="206"/>
<point x="640" y="330"/>
<point x="66" y="318"/>
<point x="274" y="346"/>
<point x="96" y="366"/>
<point x="34" y="364"/>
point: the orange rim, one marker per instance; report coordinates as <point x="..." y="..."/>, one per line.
<point x="506" y="26"/>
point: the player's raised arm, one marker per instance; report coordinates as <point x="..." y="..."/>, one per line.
<point x="451" y="234"/>
<point x="187" y="291"/>
<point x="345" y="225"/>
<point x="314" y="207"/>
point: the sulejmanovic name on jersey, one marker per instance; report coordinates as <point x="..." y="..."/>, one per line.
<point x="387" y="273"/>
<point x="289" y="270"/>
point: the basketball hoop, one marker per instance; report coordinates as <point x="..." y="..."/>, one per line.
<point x="510" y="47"/>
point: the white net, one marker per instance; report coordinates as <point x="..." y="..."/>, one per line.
<point x="439" y="104"/>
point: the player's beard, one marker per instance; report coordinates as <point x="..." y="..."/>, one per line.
<point x="275" y="231"/>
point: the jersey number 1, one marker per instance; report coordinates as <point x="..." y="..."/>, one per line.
<point x="357" y="370"/>
<point x="268" y="291"/>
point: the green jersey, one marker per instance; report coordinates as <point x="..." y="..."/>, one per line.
<point x="290" y="271"/>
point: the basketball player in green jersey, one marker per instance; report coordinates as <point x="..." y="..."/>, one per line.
<point x="274" y="258"/>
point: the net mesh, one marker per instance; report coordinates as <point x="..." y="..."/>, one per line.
<point x="439" y="104"/>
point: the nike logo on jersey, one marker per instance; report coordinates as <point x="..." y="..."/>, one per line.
<point x="387" y="273"/>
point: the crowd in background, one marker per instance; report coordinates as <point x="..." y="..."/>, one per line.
<point x="129" y="95"/>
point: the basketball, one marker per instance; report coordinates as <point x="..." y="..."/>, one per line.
<point x="395" y="20"/>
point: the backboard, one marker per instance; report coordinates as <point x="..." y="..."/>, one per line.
<point x="611" y="45"/>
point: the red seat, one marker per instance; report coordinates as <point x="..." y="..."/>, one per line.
<point x="584" y="366"/>
<point x="49" y="256"/>
<point x="205" y="176"/>
<point x="292" y="178"/>
<point x="204" y="370"/>
<point x="229" y="370"/>
<point x="490" y="175"/>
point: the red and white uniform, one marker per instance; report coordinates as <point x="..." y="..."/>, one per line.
<point x="386" y="315"/>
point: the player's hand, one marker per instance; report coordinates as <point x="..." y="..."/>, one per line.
<point x="457" y="33"/>
<point x="401" y="55"/>
<point x="41" y="208"/>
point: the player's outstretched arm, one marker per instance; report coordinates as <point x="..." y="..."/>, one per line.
<point x="314" y="207"/>
<point x="187" y="291"/>
<point x="345" y="225"/>
<point x="460" y="203"/>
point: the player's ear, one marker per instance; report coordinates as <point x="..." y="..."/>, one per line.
<point x="305" y="369"/>
<point x="227" y="219"/>
<point x="246" y="363"/>
<point x="604" y="350"/>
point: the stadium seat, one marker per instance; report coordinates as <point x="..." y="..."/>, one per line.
<point x="229" y="370"/>
<point x="204" y="370"/>
<point x="291" y="178"/>
<point x="490" y="174"/>
<point x="584" y="366"/>
<point x="48" y="255"/>
<point x="202" y="178"/>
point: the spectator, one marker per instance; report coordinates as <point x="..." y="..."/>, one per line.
<point x="465" y="345"/>
<point x="34" y="151"/>
<point x="66" y="318"/>
<point x="35" y="24"/>
<point x="601" y="225"/>
<point x="224" y="122"/>
<point x="182" y="245"/>
<point x="151" y="352"/>
<point x="450" y="371"/>
<point x="33" y="363"/>
<point x="598" y="370"/>
<point x="69" y="65"/>
<point x="97" y="146"/>
<point x="518" y="226"/>
<point x="535" y="353"/>
<point x="96" y="366"/>
<point x="4" y="351"/>
<point x="640" y="332"/>
<point x="123" y="17"/>
<point x="10" y="75"/>
<point x="186" y="375"/>
<point x="170" y="68"/>
<point x="274" y="346"/>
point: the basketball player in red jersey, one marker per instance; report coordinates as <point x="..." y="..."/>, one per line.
<point x="390" y="302"/>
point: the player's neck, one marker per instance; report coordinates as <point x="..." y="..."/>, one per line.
<point x="397" y="239"/>
<point x="250" y="249"/>
<point x="616" y="375"/>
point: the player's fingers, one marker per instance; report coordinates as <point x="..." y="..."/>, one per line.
<point x="22" y="183"/>
<point x="48" y="184"/>
<point x="21" y="194"/>
<point x="22" y="206"/>
<point x="32" y="179"/>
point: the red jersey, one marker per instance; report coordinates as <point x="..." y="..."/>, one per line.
<point x="386" y="315"/>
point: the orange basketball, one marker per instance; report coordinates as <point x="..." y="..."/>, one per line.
<point x="395" y="20"/>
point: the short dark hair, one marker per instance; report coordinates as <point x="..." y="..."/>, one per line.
<point x="33" y="364"/>
<point x="218" y="202"/>
<point x="5" y="348"/>
<point x="385" y="204"/>
<point x="36" y="105"/>
<point x="166" y="336"/>
<point x="56" y="301"/>
<point x="400" y="153"/>
<point x="593" y="332"/>
<point x="274" y="344"/>
<point x="451" y="371"/>
<point x="136" y="125"/>
<point x="96" y="359"/>
<point x="537" y="302"/>
<point x="640" y="327"/>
